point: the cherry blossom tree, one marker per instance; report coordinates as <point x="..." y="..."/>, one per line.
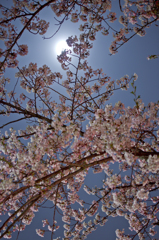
<point x="50" y="158"/>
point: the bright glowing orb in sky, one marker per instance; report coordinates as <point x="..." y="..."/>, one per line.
<point x="61" y="46"/>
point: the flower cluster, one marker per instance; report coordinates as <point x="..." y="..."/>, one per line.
<point x="79" y="131"/>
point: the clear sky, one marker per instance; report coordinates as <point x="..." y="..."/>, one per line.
<point x="131" y="58"/>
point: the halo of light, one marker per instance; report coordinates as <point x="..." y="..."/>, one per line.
<point x="61" y="46"/>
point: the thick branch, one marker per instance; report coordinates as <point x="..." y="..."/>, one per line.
<point x="26" y="112"/>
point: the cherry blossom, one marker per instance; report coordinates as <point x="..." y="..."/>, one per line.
<point x="66" y="138"/>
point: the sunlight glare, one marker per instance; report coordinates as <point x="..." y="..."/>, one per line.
<point x="61" y="46"/>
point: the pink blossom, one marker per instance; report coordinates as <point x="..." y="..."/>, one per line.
<point x="143" y="194"/>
